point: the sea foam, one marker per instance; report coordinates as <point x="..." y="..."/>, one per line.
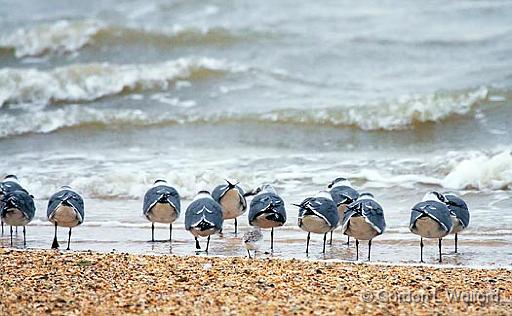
<point x="60" y="36"/>
<point x="69" y="36"/>
<point x="484" y="171"/>
<point x="84" y="83"/>
<point x="87" y="82"/>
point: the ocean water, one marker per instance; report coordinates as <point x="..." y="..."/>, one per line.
<point x="402" y="98"/>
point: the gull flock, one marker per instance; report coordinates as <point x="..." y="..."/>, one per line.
<point x="359" y="214"/>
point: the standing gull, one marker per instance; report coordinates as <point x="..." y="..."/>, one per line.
<point x="251" y="240"/>
<point x="267" y="209"/>
<point x="9" y="183"/>
<point x="343" y="195"/>
<point x="65" y="209"/>
<point x="231" y="197"/>
<point x="364" y="220"/>
<point x="18" y="209"/>
<point x="203" y="217"/>
<point x="431" y="219"/>
<point x="161" y="205"/>
<point x="319" y="215"/>
<point x="459" y="213"/>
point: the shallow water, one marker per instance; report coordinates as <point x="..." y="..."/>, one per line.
<point x="107" y="96"/>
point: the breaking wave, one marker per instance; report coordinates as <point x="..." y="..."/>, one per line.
<point x="87" y="82"/>
<point x="61" y="36"/>
<point x="66" y="36"/>
<point x="114" y="80"/>
<point x="393" y="115"/>
<point x="483" y="171"/>
<point x="478" y="171"/>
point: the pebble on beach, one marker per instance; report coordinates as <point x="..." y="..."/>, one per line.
<point x="36" y="282"/>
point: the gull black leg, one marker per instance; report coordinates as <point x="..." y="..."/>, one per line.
<point x="197" y="244"/>
<point x="440" y="257"/>
<point x="207" y="244"/>
<point x="421" y="249"/>
<point x="2" y="228"/>
<point x="357" y="249"/>
<point x="16" y="230"/>
<point x="170" y="232"/>
<point x="236" y="226"/>
<point x="330" y="241"/>
<point x="455" y="243"/>
<point x="249" y="253"/>
<point x="307" y="243"/>
<point x="153" y="232"/>
<point x="369" y="248"/>
<point x="348" y="240"/>
<point x="69" y="238"/>
<point x="24" y="236"/>
<point x="272" y="239"/>
<point x="325" y="239"/>
<point x="55" y="243"/>
<point x="11" y="236"/>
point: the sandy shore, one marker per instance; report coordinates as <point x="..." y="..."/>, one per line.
<point x="35" y="282"/>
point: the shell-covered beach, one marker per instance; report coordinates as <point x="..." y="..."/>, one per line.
<point x="87" y="283"/>
<point x="107" y="96"/>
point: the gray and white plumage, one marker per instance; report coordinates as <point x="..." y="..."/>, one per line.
<point x="18" y="208"/>
<point x="203" y="216"/>
<point x="10" y="183"/>
<point x="66" y="208"/>
<point x="267" y="208"/>
<point x="161" y="203"/>
<point x="231" y="197"/>
<point x="343" y="195"/>
<point x="459" y="212"/>
<point x="364" y="218"/>
<point x="318" y="214"/>
<point x="431" y="217"/>
<point x="251" y="239"/>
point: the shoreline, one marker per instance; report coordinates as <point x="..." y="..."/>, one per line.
<point x="47" y="281"/>
<point x="267" y="256"/>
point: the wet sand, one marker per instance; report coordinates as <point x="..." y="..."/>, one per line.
<point x="36" y="282"/>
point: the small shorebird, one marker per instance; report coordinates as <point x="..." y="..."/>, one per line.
<point x="231" y="197"/>
<point x="267" y="209"/>
<point x="459" y="213"/>
<point x="203" y="217"/>
<point x="65" y="209"/>
<point x="18" y="209"/>
<point x="161" y="205"/>
<point x="343" y="194"/>
<point x="9" y="183"/>
<point x="319" y="215"/>
<point x="364" y="220"/>
<point x="251" y="240"/>
<point x="431" y="219"/>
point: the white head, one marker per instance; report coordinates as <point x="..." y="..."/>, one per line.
<point x="366" y="196"/>
<point x="450" y="193"/>
<point x="434" y="196"/>
<point x="11" y="178"/>
<point x="67" y="187"/>
<point x="203" y="194"/>
<point x="338" y="182"/>
<point x="159" y="182"/>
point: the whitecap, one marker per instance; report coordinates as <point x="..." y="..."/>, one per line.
<point x="482" y="172"/>
<point x="87" y="82"/>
